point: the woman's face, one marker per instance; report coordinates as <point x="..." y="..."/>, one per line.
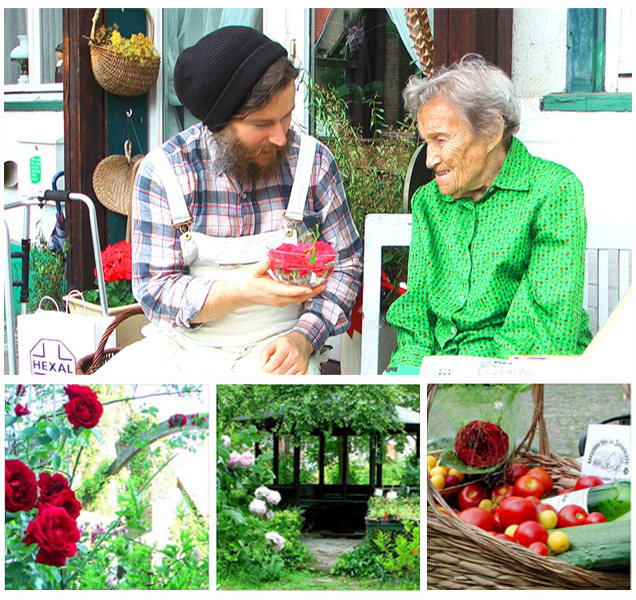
<point x="464" y="164"/>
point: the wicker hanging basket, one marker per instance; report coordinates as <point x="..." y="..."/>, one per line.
<point x="122" y="75"/>
<point x="462" y="557"/>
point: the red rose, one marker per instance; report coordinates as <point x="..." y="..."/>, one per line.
<point x="65" y="499"/>
<point x="56" y="534"/>
<point x="21" y="411"/>
<point x="177" y="420"/>
<point x="51" y="485"/>
<point x="481" y="444"/>
<point x="20" y="489"/>
<point x="83" y="409"/>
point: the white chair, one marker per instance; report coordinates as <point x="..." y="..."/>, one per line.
<point x="380" y="231"/>
<point x="608" y="276"/>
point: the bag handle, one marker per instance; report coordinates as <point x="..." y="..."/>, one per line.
<point x="57" y="308"/>
<point x="72" y="294"/>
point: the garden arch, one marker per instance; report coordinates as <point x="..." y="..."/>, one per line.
<point x="338" y="507"/>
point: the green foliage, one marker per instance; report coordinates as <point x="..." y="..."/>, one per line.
<point x="362" y="562"/>
<point x="302" y="409"/>
<point x="91" y="486"/>
<point x="118" y="293"/>
<point x="47" y="275"/>
<point x="401" y="555"/>
<point x="381" y="508"/>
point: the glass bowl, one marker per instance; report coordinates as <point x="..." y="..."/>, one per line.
<point x="296" y="268"/>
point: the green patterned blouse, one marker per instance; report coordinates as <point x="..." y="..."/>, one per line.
<point x="499" y="277"/>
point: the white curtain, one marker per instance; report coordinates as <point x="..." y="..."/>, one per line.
<point x="184" y="27"/>
<point x="399" y="20"/>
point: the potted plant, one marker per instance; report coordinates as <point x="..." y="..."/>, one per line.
<point x="390" y="511"/>
<point x="117" y="267"/>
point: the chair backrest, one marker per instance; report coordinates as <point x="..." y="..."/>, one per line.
<point x="608" y="276"/>
<point x="380" y="231"/>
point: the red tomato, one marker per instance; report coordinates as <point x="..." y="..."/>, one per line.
<point x="588" y="481"/>
<point x="596" y="517"/>
<point x="530" y="532"/>
<point x="543" y="476"/>
<point x="503" y="536"/>
<point x="499" y="527"/>
<point x="539" y="548"/>
<point x="478" y="517"/>
<point x="564" y="492"/>
<point x="571" y="516"/>
<point x="514" y="471"/>
<point x="545" y="506"/>
<point x="500" y="492"/>
<point x="514" y="511"/>
<point x="471" y="496"/>
<point x="529" y="486"/>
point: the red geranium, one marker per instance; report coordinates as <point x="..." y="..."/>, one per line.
<point x="117" y="262"/>
<point x="481" y="444"/>
<point x="20" y="488"/>
<point x="83" y="409"/>
<point x="56" y="534"/>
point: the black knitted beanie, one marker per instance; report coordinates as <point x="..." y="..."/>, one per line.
<point x="213" y="78"/>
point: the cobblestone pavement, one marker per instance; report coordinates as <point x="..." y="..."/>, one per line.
<point x="568" y="410"/>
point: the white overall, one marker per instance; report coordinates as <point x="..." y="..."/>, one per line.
<point x="231" y="344"/>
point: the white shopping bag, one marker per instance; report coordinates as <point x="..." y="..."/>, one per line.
<point x="52" y="342"/>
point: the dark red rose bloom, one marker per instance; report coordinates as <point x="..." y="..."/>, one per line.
<point x="56" y="534"/>
<point x="50" y="485"/>
<point x="21" y="411"/>
<point x="177" y="420"/>
<point x="481" y="444"/>
<point x="65" y="499"/>
<point x="83" y="409"/>
<point x="20" y="488"/>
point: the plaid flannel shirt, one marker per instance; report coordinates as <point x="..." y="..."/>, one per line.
<point x="221" y="206"/>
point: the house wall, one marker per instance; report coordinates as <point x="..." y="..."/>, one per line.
<point x="596" y="146"/>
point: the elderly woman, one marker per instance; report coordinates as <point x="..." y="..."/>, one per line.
<point x="496" y="265"/>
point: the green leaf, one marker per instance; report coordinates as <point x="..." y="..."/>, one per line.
<point x="449" y="458"/>
<point x="53" y="432"/>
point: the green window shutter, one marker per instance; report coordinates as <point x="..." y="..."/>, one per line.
<point x="586" y="50"/>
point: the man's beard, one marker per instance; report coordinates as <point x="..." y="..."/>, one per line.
<point x="238" y="160"/>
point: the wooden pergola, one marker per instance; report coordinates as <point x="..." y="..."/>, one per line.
<point x="339" y="507"/>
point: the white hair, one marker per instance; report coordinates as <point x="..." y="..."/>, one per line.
<point x="479" y="91"/>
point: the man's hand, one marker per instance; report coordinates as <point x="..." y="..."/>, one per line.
<point x="287" y="355"/>
<point x="257" y="287"/>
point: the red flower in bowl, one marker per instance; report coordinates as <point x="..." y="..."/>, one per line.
<point x="303" y="263"/>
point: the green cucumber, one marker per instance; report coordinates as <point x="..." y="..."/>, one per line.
<point x="599" y="547"/>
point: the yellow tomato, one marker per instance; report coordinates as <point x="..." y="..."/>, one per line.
<point x="558" y="542"/>
<point x="486" y="504"/>
<point x="439" y="471"/>
<point x="438" y="481"/>
<point x="548" y="519"/>
<point x="431" y="461"/>
<point x="510" y="530"/>
<point x="457" y="474"/>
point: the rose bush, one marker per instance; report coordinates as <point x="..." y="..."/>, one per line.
<point x="46" y="451"/>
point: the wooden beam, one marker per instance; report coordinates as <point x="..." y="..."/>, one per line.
<point x="84" y="144"/>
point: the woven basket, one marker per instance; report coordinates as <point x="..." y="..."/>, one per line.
<point x="463" y="557"/>
<point x="89" y="364"/>
<point x="118" y="74"/>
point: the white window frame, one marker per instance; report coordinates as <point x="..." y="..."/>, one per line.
<point x="35" y="67"/>
<point x="618" y="50"/>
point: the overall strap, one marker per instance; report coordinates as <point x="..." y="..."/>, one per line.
<point x="181" y="218"/>
<point x="306" y="156"/>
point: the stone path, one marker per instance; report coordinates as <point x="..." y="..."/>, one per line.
<point x="326" y="549"/>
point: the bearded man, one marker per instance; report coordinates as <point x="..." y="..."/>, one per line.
<point x="209" y="203"/>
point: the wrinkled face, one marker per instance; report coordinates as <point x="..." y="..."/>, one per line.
<point x="256" y="145"/>
<point x="459" y="159"/>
